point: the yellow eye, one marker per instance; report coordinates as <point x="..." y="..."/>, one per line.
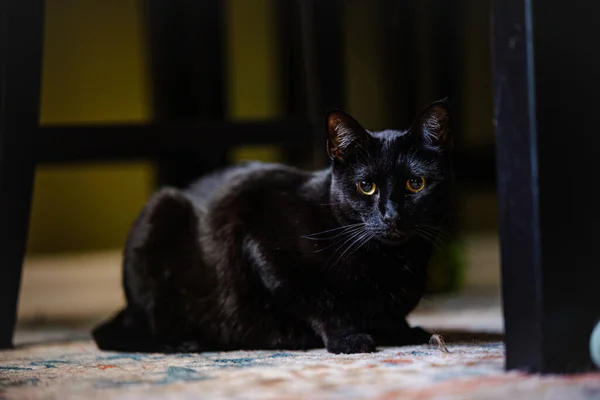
<point x="415" y="185"/>
<point x="367" y="188"/>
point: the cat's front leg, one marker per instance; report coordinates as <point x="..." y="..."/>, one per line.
<point x="315" y="306"/>
<point x="337" y="331"/>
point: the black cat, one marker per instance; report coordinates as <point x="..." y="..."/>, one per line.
<point x="264" y="256"/>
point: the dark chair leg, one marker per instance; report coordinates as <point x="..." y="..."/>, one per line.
<point x="16" y="182"/>
<point x="546" y="85"/>
<point x="20" y="67"/>
<point x="190" y="90"/>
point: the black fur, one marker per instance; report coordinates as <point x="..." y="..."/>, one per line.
<point x="265" y="256"/>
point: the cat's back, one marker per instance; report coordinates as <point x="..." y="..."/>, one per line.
<point x="229" y="184"/>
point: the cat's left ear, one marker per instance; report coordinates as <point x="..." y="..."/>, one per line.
<point x="345" y="135"/>
<point x="432" y="127"/>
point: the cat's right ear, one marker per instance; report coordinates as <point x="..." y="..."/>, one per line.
<point x="432" y="128"/>
<point x="344" y="135"/>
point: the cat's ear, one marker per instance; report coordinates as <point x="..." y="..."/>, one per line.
<point x="345" y="135"/>
<point x="432" y="128"/>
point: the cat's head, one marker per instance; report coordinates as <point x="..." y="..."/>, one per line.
<point x="395" y="183"/>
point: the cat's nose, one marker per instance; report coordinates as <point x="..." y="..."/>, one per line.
<point x="392" y="221"/>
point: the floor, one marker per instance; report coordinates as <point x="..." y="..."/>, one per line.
<point x="79" y="370"/>
<point x="54" y="362"/>
<point x="63" y="296"/>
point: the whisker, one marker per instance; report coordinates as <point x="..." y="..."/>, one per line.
<point x="344" y="236"/>
<point x="351" y="236"/>
<point x="344" y="232"/>
<point x="441" y="230"/>
<point x="355" y="246"/>
<point x="348" y="249"/>
<point x="332" y="230"/>
<point x="435" y="228"/>
<point x="409" y="267"/>
<point x="366" y="239"/>
<point x="436" y="242"/>
<point x="434" y="234"/>
<point x="429" y="239"/>
<point x="350" y="239"/>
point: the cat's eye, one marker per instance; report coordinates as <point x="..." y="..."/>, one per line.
<point x="366" y="187"/>
<point x="415" y="185"/>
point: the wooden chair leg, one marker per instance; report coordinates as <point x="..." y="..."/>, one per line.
<point x="16" y="182"/>
<point x="20" y="67"/>
<point x="547" y="154"/>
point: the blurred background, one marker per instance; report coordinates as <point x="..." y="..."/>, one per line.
<point x="261" y="74"/>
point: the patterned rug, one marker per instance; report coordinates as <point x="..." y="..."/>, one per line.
<point x="78" y="370"/>
<point x="61" y="362"/>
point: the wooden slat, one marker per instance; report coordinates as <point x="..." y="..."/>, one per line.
<point x="118" y="142"/>
<point x="57" y="144"/>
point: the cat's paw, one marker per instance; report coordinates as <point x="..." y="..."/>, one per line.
<point x="356" y="343"/>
